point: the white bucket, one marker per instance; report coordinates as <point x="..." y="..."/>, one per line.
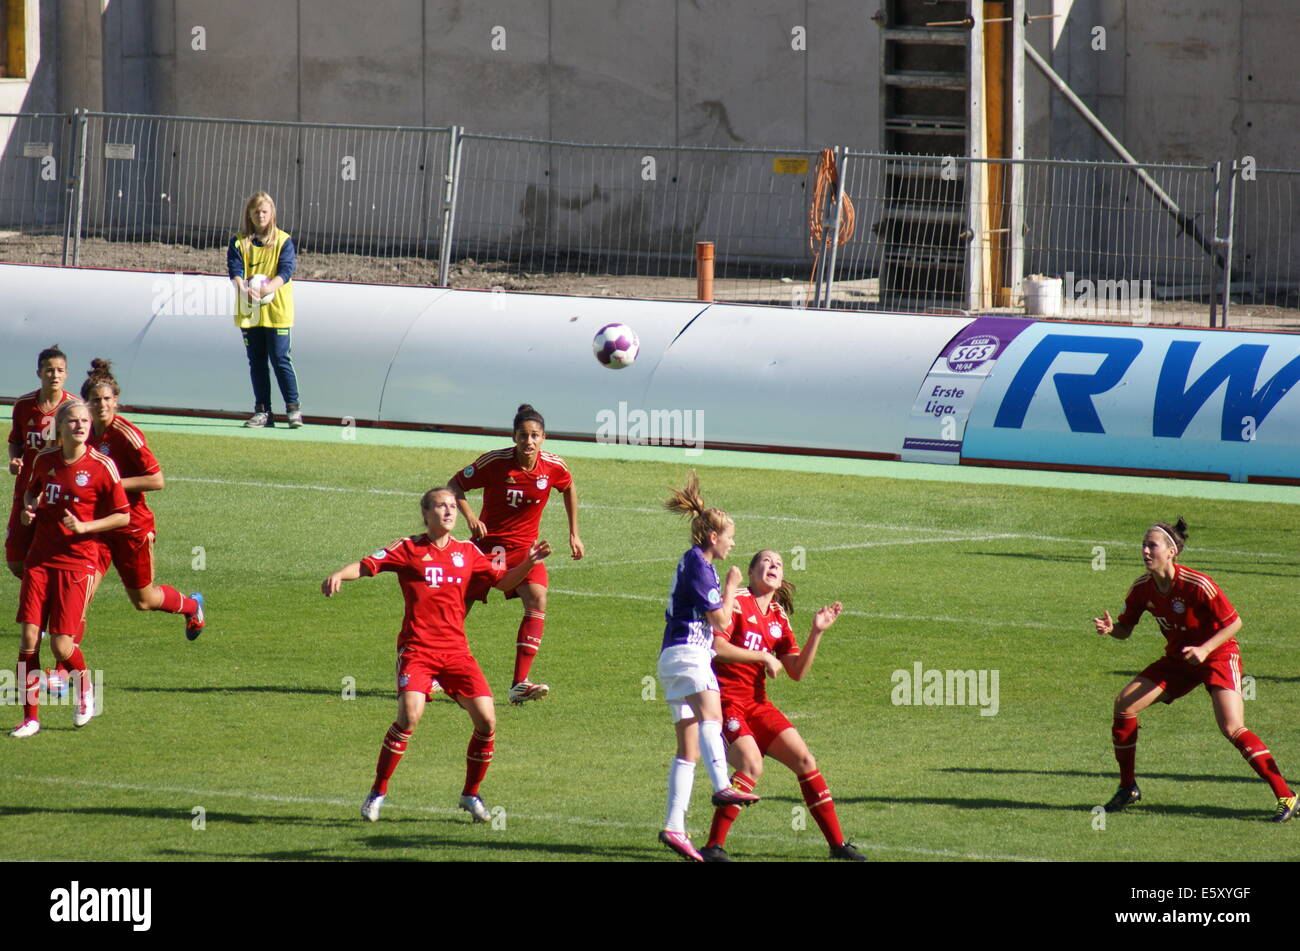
<point x="1043" y="296"/>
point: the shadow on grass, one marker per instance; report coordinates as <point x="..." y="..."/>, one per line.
<point x="1109" y="776"/>
<point x="1203" y="811"/>
<point x="335" y="692"/>
<point x="448" y="850"/>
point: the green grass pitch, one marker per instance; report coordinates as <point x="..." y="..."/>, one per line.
<point x="246" y="744"/>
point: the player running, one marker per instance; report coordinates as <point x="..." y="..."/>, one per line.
<point x="434" y="571"/>
<point x="690" y="687"/>
<point x="131" y="549"/>
<point x="1200" y="627"/>
<point x="73" y="494"/>
<point x="33" y="430"/>
<point x="752" y="725"/>
<point x="517" y="484"/>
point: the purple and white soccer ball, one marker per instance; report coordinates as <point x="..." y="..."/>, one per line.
<point x="616" y="346"/>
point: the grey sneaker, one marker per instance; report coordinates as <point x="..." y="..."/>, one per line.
<point x="295" y="416"/>
<point x="259" y="420"/>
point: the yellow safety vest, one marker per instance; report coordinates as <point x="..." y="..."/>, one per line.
<point x="278" y="312"/>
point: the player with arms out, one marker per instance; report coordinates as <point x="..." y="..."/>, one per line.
<point x="32" y="431"/>
<point x="1200" y="627"/>
<point x="695" y="607"/>
<point x="73" y="494"/>
<point x="517" y="484"/>
<point x="131" y="548"/>
<point x="751" y="724"/>
<point x="434" y="571"/>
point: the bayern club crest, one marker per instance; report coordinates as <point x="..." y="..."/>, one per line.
<point x="82" y="479"/>
<point x="458" y="560"/>
<point x="542" y="482"/>
<point x="774" y="630"/>
<point x="403" y="680"/>
<point x="732" y="724"/>
<point x="1178" y="606"/>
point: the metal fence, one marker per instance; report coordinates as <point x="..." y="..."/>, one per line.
<point x="439" y="206"/>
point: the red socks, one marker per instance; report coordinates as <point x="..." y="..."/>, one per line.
<point x="29" y="675"/>
<point x="1124" y="734"/>
<point x="1261" y="761"/>
<point x="724" y="816"/>
<point x="173" y="602"/>
<point x="478" y="757"/>
<point x="530" y="639"/>
<point x="818" y="798"/>
<point x="390" y="754"/>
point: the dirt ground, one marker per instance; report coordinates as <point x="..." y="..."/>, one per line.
<point x="785" y="290"/>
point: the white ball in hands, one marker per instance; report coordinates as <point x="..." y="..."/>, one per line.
<point x="257" y="288"/>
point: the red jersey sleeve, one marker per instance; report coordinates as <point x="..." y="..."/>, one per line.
<point x="1134" y="604"/>
<point x="475" y="475"/>
<point x="561" y="477"/>
<point x="112" y="499"/>
<point x="15" y="439"/>
<point x="391" y="558"/>
<point x="1219" y="607"/>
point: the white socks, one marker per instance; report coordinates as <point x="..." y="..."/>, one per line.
<point x="681" y="777"/>
<point x="714" y="754"/>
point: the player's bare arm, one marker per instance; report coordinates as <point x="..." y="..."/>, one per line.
<point x="571" y="509"/>
<point x="106" y="524"/>
<point x="798" y="665"/>
<point x="144" y="483"/>
<point x="1196" y="654"/>
<point x="729" y="653"/>
<point x="476" y="528"/>
<point x="331" y="585"/>
<point x="1108" y="628"/>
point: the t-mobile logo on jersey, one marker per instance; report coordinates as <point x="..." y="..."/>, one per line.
<point x="134" y="905"/>
<point x="946" y="688"/>
<point x="514" y="497"/>
<point x="656" y="427"/>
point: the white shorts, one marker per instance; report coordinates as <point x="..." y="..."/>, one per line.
<point x="685" y="670"/>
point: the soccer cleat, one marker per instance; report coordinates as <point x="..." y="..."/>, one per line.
<point x="370" y="808"/>
<point x="714" y="853"/>
<point x="524" y="691"/>
<point x="847" y="852"/>
<point x="194" y="622"/>
<point x="85" y="711"/>
<point x="434" y="689"/>
<point x="1124" y="797"/>
<point x="1286" y="808"/>
<point x="295" y="419"/>
<point x="25" y="729"/>
<point x="680" y="843"/>
<point x="474" y="806"/>
<point x="259" y="420"/>
<point x="731" y="796"/>
<point x="56" y="685"/>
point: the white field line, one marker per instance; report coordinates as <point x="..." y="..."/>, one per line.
<point x="957" y="535"/>
<point x="447" y="810"/>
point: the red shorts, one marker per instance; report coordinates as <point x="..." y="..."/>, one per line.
<point x="132" y="555"/>
<point x="458" y="674"/>
<point x="479" y="588"/>
<point x="763" y="721"/>
<point x="1180" y="678"/>
<point x="56" y="599"/>
<point x="18" y="537"/>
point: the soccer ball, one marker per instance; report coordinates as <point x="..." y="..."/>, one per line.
<point x="616" y="346"/>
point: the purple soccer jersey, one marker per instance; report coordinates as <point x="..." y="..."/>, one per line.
<point x="695" y="592"/>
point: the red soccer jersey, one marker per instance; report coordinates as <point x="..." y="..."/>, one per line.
<point x="125" y="445"/>
<point x="433" y="583"/>
<point x="754" y="630"/>
<point x="513" y="498"/>
<point x="33" y="430"/>
<point x="89" y="488"/>
<point x="1191" y="612"/>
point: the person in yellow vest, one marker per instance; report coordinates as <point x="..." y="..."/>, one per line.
<point x="260" y="262"/>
